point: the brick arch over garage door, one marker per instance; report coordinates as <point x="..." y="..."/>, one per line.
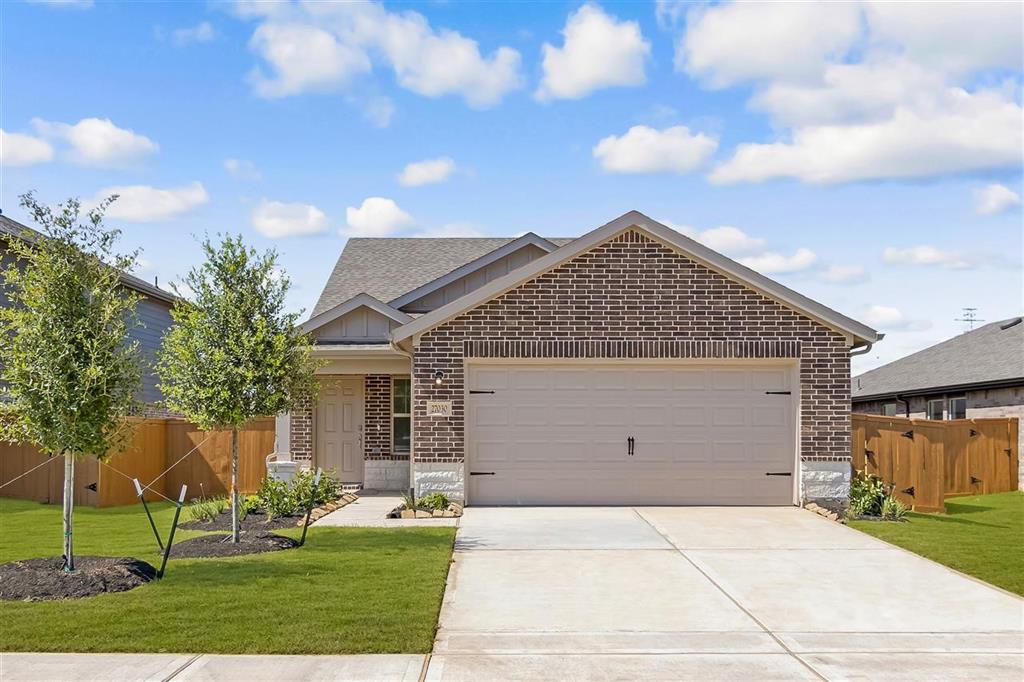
<point x="634" y="297"/>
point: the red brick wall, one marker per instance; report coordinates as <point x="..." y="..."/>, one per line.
<point x="634" y="297"/>
<point x="377" y="417"/>
<point x="301" y="432"/>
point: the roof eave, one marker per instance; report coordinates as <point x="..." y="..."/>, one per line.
<point x="947" y="388"/>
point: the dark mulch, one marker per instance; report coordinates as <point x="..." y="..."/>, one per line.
<point x="38" y="579"/>
<point x="250" y="542"/>
<point x="250" y="522"/>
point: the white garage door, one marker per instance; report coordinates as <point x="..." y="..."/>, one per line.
<point x="561" y="434"/>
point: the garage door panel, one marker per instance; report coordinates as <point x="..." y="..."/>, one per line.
<point x="558" y="434"/>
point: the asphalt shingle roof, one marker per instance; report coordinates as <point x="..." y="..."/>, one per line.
<point x="987" y="354"/>
<point x="387" y="267"/>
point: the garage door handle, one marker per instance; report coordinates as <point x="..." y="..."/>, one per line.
<point x="779" y="473"/>
<point x="481" y="473"/>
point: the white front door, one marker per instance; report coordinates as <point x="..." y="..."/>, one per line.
<point x="339" y="427"/>
<point x="631" y="434"/>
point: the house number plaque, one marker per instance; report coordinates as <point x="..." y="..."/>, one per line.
<point x="439" y="408"/>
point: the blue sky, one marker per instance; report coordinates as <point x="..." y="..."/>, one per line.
<point x="865" y="154"/>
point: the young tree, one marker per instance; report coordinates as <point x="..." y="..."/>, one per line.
<point x="70" y="369"/>
<point x="233" y="354"/>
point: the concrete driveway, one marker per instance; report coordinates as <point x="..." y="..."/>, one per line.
<point x="709" y="594"/>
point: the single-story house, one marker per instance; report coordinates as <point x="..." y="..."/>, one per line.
<point x="977" y="374"/>
<point x="631" y="365"/>
<point x="154" y="312"/>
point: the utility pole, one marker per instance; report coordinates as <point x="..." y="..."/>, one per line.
<point x="969" y="317"/>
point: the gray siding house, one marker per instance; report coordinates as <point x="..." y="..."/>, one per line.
<point x="974" y="375"/>
<point x="154" y="313"/>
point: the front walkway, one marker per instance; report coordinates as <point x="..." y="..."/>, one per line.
<point x="369" y="510"/>
<point x="709" y="594"/>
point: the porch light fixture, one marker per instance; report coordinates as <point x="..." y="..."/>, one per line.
<point x="438" y="376"/>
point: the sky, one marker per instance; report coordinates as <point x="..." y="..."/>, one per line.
<point x="866" y="154"/>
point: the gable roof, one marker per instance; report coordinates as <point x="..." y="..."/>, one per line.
<point x="991" y="354"/>
<point x="387" y="267"/>
<point x="357" y="301"/>
<point x="12" y="228"/>
<point x="861" y="333"/>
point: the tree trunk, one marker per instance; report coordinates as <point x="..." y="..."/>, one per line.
<point x="234" y="484"/>
<point x="69" y="507"/>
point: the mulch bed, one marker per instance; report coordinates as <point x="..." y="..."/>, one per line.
<point x="250" y="542"/>
<point x="39" y="579"/>
<point x="251" y="522"/>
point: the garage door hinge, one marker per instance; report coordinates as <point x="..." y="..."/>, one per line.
<point x="481" y="473"/>
<point x="779" y="473"/>
<point x="478" y="392"/>
<point x="778" y="393"/>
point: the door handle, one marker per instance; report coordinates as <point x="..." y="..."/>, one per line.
<point x="630" y="445"/>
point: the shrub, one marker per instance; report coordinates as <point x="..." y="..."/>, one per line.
<point x="409" y="501"/>
<point x="893" y="509"/>
<point x="434" y="501"/>
<point x="871" y="496"/>
<point x="206" y="508"/>
<point x="278" y="498"/>
<point x="249" y="504"/>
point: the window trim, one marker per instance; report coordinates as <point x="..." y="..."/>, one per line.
<point x="950" y="408"/>
<point x="395" y="449"/>
<point x="942" y="409"/>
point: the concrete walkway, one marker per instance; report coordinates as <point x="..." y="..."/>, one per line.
<point x="369" y="510"/>
<point x="709" y="594"/>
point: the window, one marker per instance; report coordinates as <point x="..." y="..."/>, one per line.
<point x="935" y="408"/>
<point x="890" y="409"/>
<point x="400" y="413"/>
<point x="958" y="408"/>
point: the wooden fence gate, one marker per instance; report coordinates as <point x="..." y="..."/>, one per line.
<point x="927" y="460"/>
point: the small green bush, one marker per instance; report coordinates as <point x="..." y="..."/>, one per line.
<point x="278" y="498"/>
<point x="249" y="504"/>
<point x="871" y="496"/>
<point x="206" y="508"/>
<point x="435" y="501"/>
<point x="893" y="509"/>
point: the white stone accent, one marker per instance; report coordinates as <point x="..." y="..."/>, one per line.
<point x="825" y="481"/>
<point x="440" y="477"/>
<point x="386" y="474"/>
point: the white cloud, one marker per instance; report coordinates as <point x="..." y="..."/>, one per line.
<point x="202" y="32"/>
<point x="145" y="204"/>
<point x="727" y="239"/>
<point x="242" y="169"/>
<point x="98" y="142"/>
<point x="886" y="318"/>
<point x="17" y="149"/>
<point x="379" y="111"/>
<point x="981" y="131"/>
<point x="276" y="219"/>
<point x="926" y="255"/>
<point x="319" y="47"/>
<point x="647" y="150"/>
<point x="303" y="58"/>
<point x="598" y="52"/>
<point x="730" y="43"/>
<point x="955" y="37"/>
<point x="845" y="274"/>
<point x="426" y="172"/>
<point x="376" y="217"/>
<point x="994" y="198"/>
<point x="863" y="90"/>
<point x="772" y="262"/>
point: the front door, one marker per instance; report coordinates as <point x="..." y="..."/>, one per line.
<point x="339" y="427"/>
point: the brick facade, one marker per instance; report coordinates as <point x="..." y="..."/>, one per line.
<point x="300" y="427"/>
<point x="377" y="417"/>
<point x="633" y="297"/>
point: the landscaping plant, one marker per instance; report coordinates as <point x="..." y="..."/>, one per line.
<point x="279" y="498"/>
<point x="434" y="501"/>
<point x="233" y="354"/>
<point x="871" y="496"/>
<point x="206" y="508"/>
<point x="69" y="368"/>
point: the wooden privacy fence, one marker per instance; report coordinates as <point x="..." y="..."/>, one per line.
<point x="156" y="444"/>
<point x="927" y="460"/>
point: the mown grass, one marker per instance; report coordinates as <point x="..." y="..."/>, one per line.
<point x="348" y="590"/>
<point x="980" y="535"/>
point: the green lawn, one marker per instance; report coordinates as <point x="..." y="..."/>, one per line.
<point x="349" y="590"/>
<point x="980" y="535"/>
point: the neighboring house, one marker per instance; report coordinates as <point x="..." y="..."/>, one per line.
<point x="632" y="365"/>
<point x="977" y="374"/>
<point x="154" y="312"/>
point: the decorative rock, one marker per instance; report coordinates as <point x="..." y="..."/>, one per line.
<point x="408" y="513"/>
<point x="456" y="508"/>
<point x="330" y="506"/>
<point x="437" y="513"/>
<point x="447" y="513"/>
<point x="420" y="514"/>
